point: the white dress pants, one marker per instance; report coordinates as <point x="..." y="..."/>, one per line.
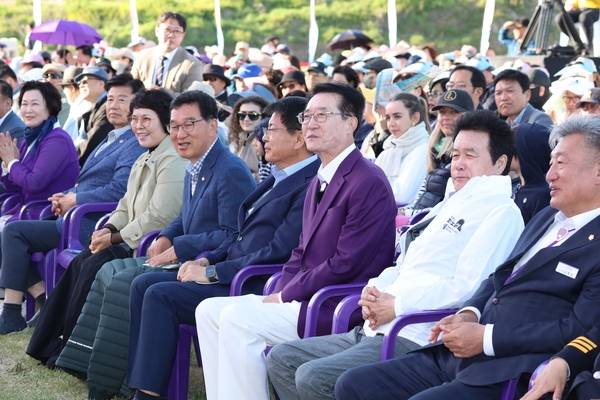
<point x="233" y="333"/>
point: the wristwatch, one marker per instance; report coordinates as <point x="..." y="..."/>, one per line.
<point x="211" y="273"/>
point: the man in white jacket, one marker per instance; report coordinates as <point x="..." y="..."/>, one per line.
<point x="452" y="250"/>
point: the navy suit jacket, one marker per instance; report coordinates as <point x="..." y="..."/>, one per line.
<point x="348" y="237"/>
<point x="271" y="231"/>
<point x="13" y="124"/>
<point x="533" y="115"/>
<point x="539" y="310"/>
<point x="103" y="179"/>
<point x="210" y="216"/>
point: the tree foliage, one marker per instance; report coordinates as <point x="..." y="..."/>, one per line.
<point x="447" y="23"/>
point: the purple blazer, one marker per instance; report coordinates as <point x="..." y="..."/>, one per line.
<point x="350" y="237"/>
<point x="53" y="169"/>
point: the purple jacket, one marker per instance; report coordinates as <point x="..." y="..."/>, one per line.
<point x="53" y="169"/>
<point x="348" y="238"/>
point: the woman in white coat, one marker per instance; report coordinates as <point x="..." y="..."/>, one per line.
<point x="404" y="156"/>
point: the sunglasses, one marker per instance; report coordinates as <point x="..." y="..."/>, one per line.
<point x="210" y="78"/>
<point x="52" y="76"/>
<point x="253" y="115"/>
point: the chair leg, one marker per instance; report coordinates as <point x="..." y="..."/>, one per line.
<point x="178" y="386"/>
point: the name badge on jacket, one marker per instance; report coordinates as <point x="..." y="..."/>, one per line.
<point x="567" y="270"/>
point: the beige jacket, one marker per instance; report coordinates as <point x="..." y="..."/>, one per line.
<point x="154" y="194"/>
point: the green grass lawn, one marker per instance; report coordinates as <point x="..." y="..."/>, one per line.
<point x="23" y="378"/>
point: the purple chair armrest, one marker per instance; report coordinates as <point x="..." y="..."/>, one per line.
<point x="343" y="312"/>
<point x="324" y="294"/>
<point x="389" y="340"/>
<point x="536" y="373"/>
<point x="9" y="202"/>
<point x="145" y="243"/>
<point x="101" y="222"/>
<point x="417" y="217"/>
<point x="250" y="271"/>
<point x="77" y="216"/>
<point x="33" y="209"/>
<point x="271" y="282"/>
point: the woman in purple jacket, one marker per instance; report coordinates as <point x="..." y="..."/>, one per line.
<point x="46" y="161"/>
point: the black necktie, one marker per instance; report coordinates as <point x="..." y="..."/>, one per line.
<point x="321" y="191"/>
<point x="161" y="72"/>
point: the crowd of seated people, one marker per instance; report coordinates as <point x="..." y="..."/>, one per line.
<point x="511" y="197"/>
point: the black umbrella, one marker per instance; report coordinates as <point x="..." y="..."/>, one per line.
<point x="348" y="40"/>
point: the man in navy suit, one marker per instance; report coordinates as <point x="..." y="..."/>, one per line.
<point x="269" y="221"/>
<point x="103" y="178"/>
<point x="9" y="121"/>
<point x="543" y="296"/>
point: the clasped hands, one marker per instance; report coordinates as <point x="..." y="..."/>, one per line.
<point x="100" y="240"/>
<point x="8" y="149"/>
<point x="61" y="202"/>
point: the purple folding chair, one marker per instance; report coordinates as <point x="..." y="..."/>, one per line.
<point x="70" y="241"/>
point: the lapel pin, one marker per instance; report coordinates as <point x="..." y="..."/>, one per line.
<point x="591" y="237"/>
<point x="121" y="141"/>
<point x="203" y="179"/>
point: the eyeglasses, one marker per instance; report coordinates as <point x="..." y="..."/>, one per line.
<point x="174" y="32"/>
<point x="435" y="94"/>
<point x="304" y="118"/>
<point x="85" y="80"/>
<point x="266" y="131"/>
<point x="52" y="76"/>
<point x="145" y="121"/>
<point x="569" y="99"/>
<point x="461" y="86"/>
<point x="253" y="115"/>
<point x="187" y="126"/>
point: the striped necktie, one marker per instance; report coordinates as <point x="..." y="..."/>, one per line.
<point x="161" y="72"/>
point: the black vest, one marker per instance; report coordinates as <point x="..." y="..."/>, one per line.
<point x="435" y="185"/>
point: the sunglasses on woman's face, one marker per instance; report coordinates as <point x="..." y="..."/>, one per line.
<point x="253" y="115"/>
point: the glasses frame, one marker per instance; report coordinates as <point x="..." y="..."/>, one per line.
<point x="304" y="118"/>
<point x="169" y="32"/>
<point x="174" y="129"/>
<point x="52" y="76"/>
<point x="138" y="120"/>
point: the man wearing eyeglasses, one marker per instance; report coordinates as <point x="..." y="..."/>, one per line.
<point x="168" y="65"/>
<point x="347" y="237"/>
<point x="469" y="79"/>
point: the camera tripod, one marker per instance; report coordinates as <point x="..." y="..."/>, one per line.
<point x="541" y="22"/>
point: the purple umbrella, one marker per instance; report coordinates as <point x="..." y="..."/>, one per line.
<point x="66" y="33"/>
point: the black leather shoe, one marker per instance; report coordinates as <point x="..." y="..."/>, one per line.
<point x="10" y="327"/>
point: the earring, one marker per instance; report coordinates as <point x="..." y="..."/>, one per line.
<point x="414" y="124"/>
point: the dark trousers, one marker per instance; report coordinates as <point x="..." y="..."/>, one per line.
<point x="585" y="16"/>
<point x="158" y="305"/>
<point x="19" y="240"/>
<point x="60" y="313"/>
<point x="429" y="374"/>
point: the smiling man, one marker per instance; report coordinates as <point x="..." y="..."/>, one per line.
<point x="443" y="265"/>
<point x="347" y="236"/>
<point x="543" y="296"/>
<point x="168" y="65"/>
<point x="512" y="94"/>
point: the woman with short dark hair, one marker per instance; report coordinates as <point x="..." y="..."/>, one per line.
<point x="46" y="161"/>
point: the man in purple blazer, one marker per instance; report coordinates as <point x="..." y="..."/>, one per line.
<point x="347" y="236"/>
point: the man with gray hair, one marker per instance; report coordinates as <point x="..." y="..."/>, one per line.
<point x="542" y="297"/>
